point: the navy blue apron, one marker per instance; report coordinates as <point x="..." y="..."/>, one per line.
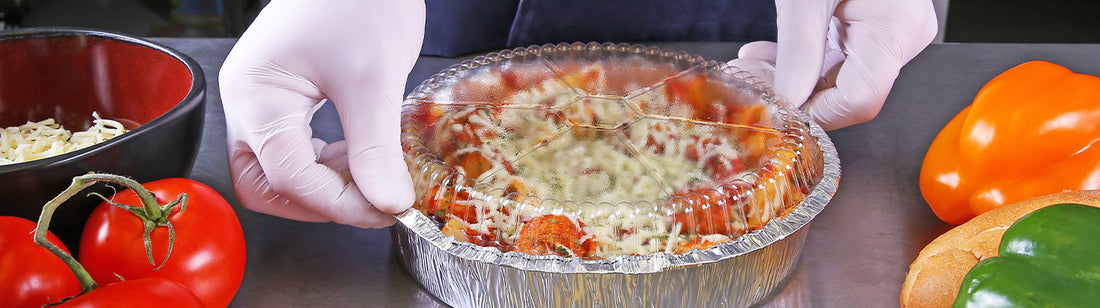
<point x="459" y="27"/>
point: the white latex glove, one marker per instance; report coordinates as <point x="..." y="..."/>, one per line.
<point x="358" y="53"/>
<point x="837" y="59"/>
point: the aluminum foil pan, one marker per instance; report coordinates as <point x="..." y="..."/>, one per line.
<point x="766" y="234"/>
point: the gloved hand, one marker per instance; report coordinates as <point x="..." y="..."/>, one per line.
<point x="296" y="53"/>
<point x="838" y="59"/>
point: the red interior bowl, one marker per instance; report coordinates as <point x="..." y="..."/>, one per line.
<point x="66" y="74"/>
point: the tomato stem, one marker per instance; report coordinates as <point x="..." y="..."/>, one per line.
<point x="86" y="282"/>
<point x="151" y="213"/>
<point x="149" y="204"/>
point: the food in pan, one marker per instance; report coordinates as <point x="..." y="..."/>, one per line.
<point x="601" y="160"/>
<point x="37" y="140"/>
<point x="980" y="263"/>
<point x="622" y="80"/>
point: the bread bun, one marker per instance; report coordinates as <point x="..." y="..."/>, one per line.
<point x="935" y="276"/>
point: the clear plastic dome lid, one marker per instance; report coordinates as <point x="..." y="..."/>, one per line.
<point x="601" y="150"/>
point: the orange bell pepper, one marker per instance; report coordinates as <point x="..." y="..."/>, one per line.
<point x="1029" y="132"/>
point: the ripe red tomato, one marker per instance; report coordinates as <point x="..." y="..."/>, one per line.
<point x="207" y="257"/>
<point x="30" y="275"/>
<point x="146" y="292"/>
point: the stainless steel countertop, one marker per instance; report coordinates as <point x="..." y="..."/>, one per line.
<point x="856" y="253"/>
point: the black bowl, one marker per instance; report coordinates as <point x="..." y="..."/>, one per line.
<point x="66" y="74"/>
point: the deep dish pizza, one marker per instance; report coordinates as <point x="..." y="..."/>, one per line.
<point x="601" y="160"/>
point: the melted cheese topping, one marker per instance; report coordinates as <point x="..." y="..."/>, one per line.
<point x="600" y="173"/>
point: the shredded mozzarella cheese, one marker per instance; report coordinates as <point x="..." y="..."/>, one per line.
<point x="609" y="176"/>
<point x="37" y="140"/>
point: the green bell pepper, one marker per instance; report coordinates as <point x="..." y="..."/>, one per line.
<point x="1049" y="258"/>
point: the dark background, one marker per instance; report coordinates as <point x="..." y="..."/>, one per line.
<point x="987" y="21"/>
<point x="1023" y="21"/>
